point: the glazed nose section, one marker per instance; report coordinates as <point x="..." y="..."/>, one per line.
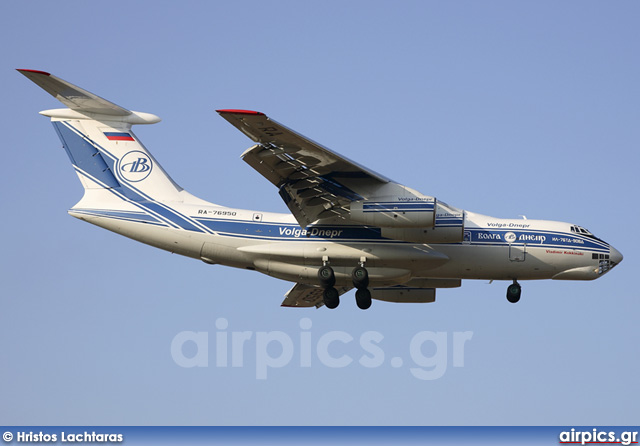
<point x="615" y="256"/>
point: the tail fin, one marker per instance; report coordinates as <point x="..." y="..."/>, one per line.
<point x="104" y="151"/>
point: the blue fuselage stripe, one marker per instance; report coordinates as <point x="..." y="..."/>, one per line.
<point x="479" y="237"/>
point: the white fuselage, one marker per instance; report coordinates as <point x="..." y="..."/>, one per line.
<point x="274" y="244"/>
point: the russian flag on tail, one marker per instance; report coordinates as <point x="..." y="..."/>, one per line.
<point x="118" y="136"/>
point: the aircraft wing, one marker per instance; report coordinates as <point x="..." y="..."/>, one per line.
<point x="314" y="182"/>
<point x="302" y="295"/>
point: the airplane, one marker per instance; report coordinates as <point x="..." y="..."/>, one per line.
<point x="349" y="227"/>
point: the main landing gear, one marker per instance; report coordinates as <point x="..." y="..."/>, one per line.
<point x="360" y="278"/>
<point x="513" y="292"/>
<point x="330" y="295"/>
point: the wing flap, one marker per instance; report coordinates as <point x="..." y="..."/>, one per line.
<point x="303" y="295"/>
<point x="308" y="188"/>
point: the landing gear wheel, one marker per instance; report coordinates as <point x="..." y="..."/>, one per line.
<point x="327" y="276"/>
<point x="513" y="292"/>
<point x="331" y="298"/>
<point x="363" y="298"/>
<point x="360" y="277"/>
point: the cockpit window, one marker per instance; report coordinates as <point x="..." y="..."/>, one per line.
<point x="581" y="230"/>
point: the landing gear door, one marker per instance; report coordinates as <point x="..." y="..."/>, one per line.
<point x="517" y="253"/>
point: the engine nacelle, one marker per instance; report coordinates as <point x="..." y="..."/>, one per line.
<point x="413" y="212"/>
<point x="448" y="228"/>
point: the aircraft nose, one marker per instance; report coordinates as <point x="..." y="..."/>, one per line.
<point x="614" y="255"/>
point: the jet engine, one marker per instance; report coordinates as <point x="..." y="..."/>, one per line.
<point x="448" y="227"/>
<point x="414" y="212"/>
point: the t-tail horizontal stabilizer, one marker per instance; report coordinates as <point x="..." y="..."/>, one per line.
<point x="83" y="104"/>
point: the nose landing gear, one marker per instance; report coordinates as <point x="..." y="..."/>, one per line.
<point x="513" y="292"/>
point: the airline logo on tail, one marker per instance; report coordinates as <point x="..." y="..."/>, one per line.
<point x="135" y="166"/>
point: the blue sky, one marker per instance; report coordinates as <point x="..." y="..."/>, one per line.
<point x="504" y="108"/>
